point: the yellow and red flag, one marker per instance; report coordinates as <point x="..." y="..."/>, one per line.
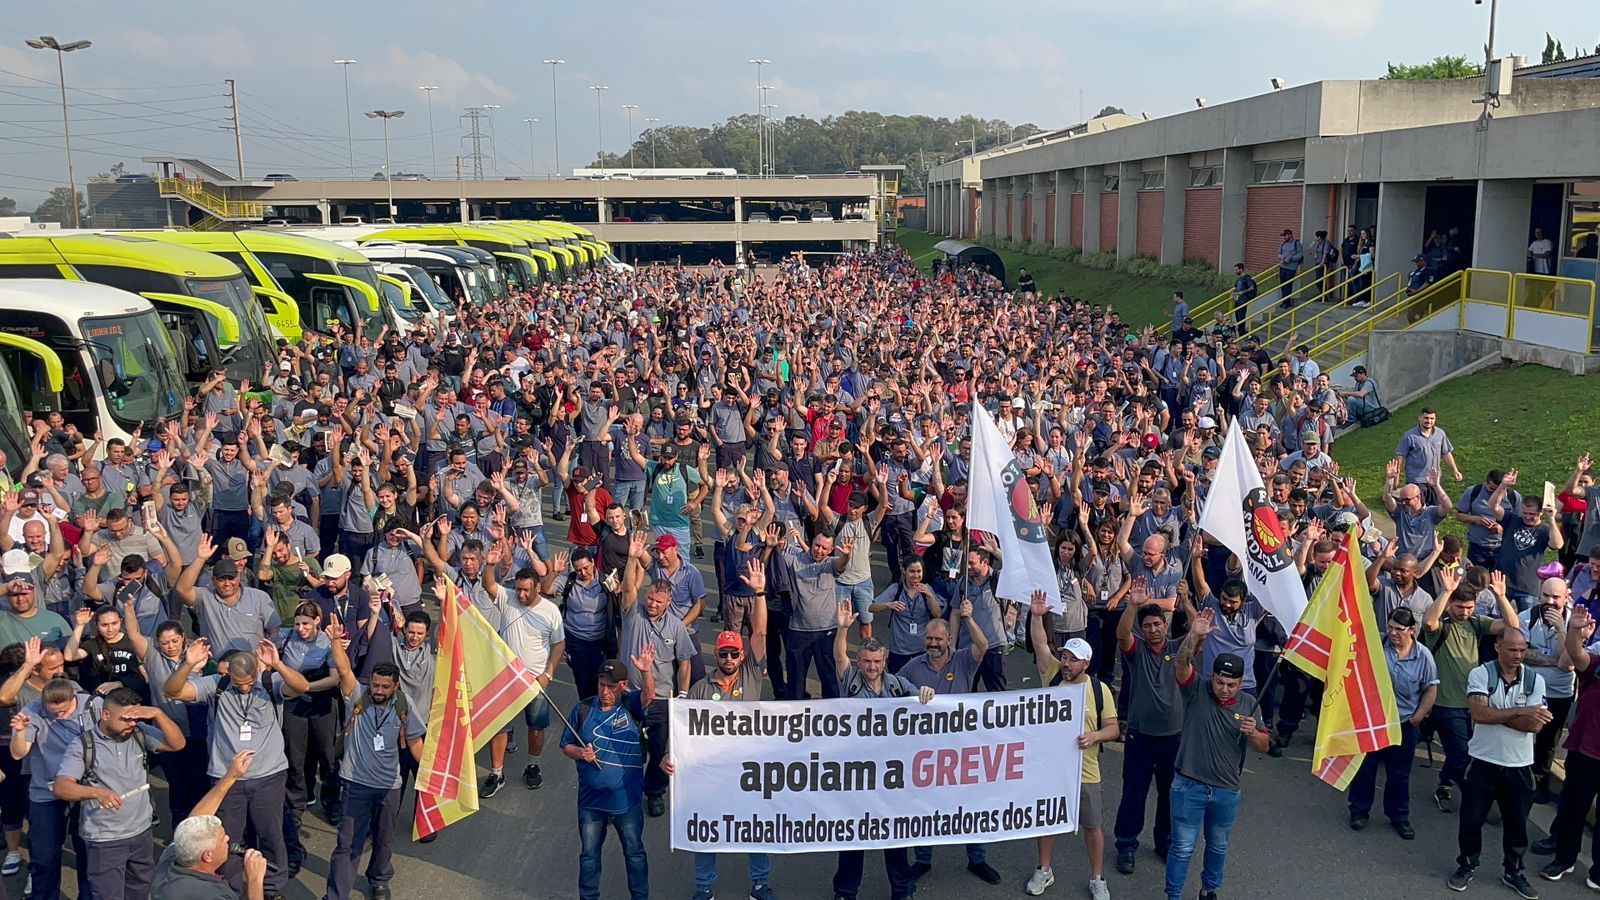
<point x="1337" y="642"/>
<point x="478" y="686"/>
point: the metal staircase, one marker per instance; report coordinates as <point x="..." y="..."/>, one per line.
<point x="219" y="210"/>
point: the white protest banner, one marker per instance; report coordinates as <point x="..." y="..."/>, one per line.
<point x="800" y="777"/>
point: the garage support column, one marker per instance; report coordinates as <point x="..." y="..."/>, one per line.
<point x="1063" y="202"/>
<point x="1400" y="217"/>
<point x="325" y="210"/>
<point x="1236" y="162"/>
<point x="986" y="207"/>
<point x="738" y="209"/>
<point x="1038" y="190"/>
<point x="1175" y="184"/>
<point x="465" y="209"/>
<point x="604" y="207"/>
<point x="1501" y="228"/>
<point x="1092" y="181"/>
<point x="1129" y="179"/>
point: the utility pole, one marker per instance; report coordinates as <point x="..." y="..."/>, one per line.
<point x="433" y="150"/>
<point x="531" y="123"/>
<point x="238" y="140"/>
<point x="349" y="128"/>
<point x="648" y="122"/>
<point x="761" y="98"/>
<point x="599" y="126"/>
<point x="630" y="107"/>
<point x="46" y="42"/>
<point x="555" y="110"/>
<point x="388" y="170"/>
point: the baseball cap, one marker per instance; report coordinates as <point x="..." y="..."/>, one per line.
<point x="1345" y="520"/>
<point x="1152" y="441"/>
<point x="729" y="639"/>
<point x="1310" y="435"/>
<point x="1211" y="453"/>
<point x="336" y="566"/>
<point x="1019" y="403"/>
<point x="666" y="542"/>
<point x="237" y="549"/>
<point x="1206" y="422"/>
<point x="154" y="445"/>
<point x="1079" y="648"/>
<point x="15" y="562"/>
<point x="1288" y="233"/>
<point x="225" y="568"/>
<point x="614" y="671"/>
<point x="28" y="496"/>
<point x="1419" y="258"/>
<point x="1359" y="370"/>
<point x="1228" y="665"/>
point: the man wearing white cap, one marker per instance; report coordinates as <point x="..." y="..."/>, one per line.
<point x="1100" y="725"/>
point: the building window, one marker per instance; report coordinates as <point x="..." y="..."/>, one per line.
<point x="1077" y="184"/>
<point x="1205" y="176"/>
<point x="1153" y="181"/>
<point x="1111" y="183"/>
<point x="1278" y="172"/>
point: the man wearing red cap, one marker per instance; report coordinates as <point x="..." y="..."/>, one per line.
<point x="737" y="677"/>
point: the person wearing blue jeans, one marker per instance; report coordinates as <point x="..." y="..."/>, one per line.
<point x="609" y="752"/>
<point x="1219" y="728"/>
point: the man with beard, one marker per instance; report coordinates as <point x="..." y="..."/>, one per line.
<point x="106" y="767"/>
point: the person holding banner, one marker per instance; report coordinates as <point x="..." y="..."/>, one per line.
<point x="605" y="737"/>
<point x="738" y="676"/>
<point x="947" y="672"/>
<point x="1155" y="717"/>
<point x="1070" y="665"/>
<point x="650" y="623"/>
<point x="1219" y="726"/>
<point x="1415" y="679"/>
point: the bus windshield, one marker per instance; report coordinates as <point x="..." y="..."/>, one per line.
<point x="135" y="365"/>
<point x="255" y="343"/>
<point x="371" y="322"/>
<point x="13" y="440"/>
<point x="424" y="284"/>
<point x="477" y="293"/>
<point x="400" y="302"/>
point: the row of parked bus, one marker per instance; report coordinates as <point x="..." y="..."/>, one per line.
<point x="112" y="329"/>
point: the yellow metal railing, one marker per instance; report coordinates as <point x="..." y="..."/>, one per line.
<point x="1266" y="280"/>
<point x="195" y="193"/>
<point x="1289" y="321"/>
<point x="1342" y="339"/>
<point x="1570" y="298"/>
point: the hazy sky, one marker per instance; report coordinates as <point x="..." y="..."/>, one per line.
<point x="153" y="81"/>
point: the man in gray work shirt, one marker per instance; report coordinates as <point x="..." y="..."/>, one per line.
<point x="727" y="428"/>
<point x="115" y="792"/>
<point x="230" y="493"/>
<point x="1155" y="720"/>
<point x="232" y="616"/>
<point x="246" y="712"/>
<point x="378" y="720"/>
<point x="813" y="573"/>
<point x="987" y="614"/>
<point x="650" y="621"/>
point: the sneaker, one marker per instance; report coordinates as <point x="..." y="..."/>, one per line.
<point x="13" y="863"/>
<point x="656" y="807"/>
<point x="762" y="892"/>
<point x="1099" y="890"/>
<point x="382" y="892"/>
<point x="1545" y="846"/>
<point x="1587" y="882"/>
<point x="1518" y="882"/>
<point x="1125" y="862"/>
<point x="1441" y="799"/>
<point x="27" y="889"/>
<point x="1554" y="869"/>
<point x="492" y="784"/>
<point x="703" y="894"/>
<point x="1459" y="879"/>
<point x="532" y="777"/>
<point x="1038" y="881"/>
<point x="985" y="871"/>
<point x="511" y="744"/>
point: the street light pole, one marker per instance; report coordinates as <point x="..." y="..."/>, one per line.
<point x="648" y="121"/>
<point x="599" y="128"/>
<point x="349" y="129"/>
<point x="761" y="98"/>
<point x="388" y="171"/>
<point x="433" y="149"/>
<point x="531" y="123"/>
<point x="766" y="127"/>
<point x="555" y="112"/>
<point x="47" y="42"/>
<point x="772" y="141"/>
<point x="630" y="107"/>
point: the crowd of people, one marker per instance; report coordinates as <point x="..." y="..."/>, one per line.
<point x="628" y="471"/>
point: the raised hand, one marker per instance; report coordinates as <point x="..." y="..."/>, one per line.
<point x="846" y="614"/>
<point x="197" y="653"/>
<point x="207" y="548"/>
<point x="755" y="575"/>
<point x="1203" y="623"/>
<point x="645" y="658"/>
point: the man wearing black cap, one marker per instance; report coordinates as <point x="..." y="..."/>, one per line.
<point x="1363" y="397"/>
<point x="1219" y="727"/>
<point x="608" y="749"/>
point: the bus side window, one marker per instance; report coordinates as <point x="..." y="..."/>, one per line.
<point x="187" y="338"/>
<point x="327" y="306"/>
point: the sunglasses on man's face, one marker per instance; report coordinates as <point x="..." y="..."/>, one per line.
<point x="728" y="654"/>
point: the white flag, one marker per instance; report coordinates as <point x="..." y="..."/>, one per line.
<point x="1238" y="514"/>
<point x="1000" y="502"/>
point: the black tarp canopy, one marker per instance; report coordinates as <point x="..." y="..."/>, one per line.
<point x="961" y="253"/>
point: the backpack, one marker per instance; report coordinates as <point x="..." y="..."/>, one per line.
<point x="1094" y="691"/>
<point x="650" y="479"/>
<point x="582" y="713"/>
<point x="1330" y="255"/>
<point x="893" y="685"/>
<point x="365" y="702"/>
<point x="86" y="742"/>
